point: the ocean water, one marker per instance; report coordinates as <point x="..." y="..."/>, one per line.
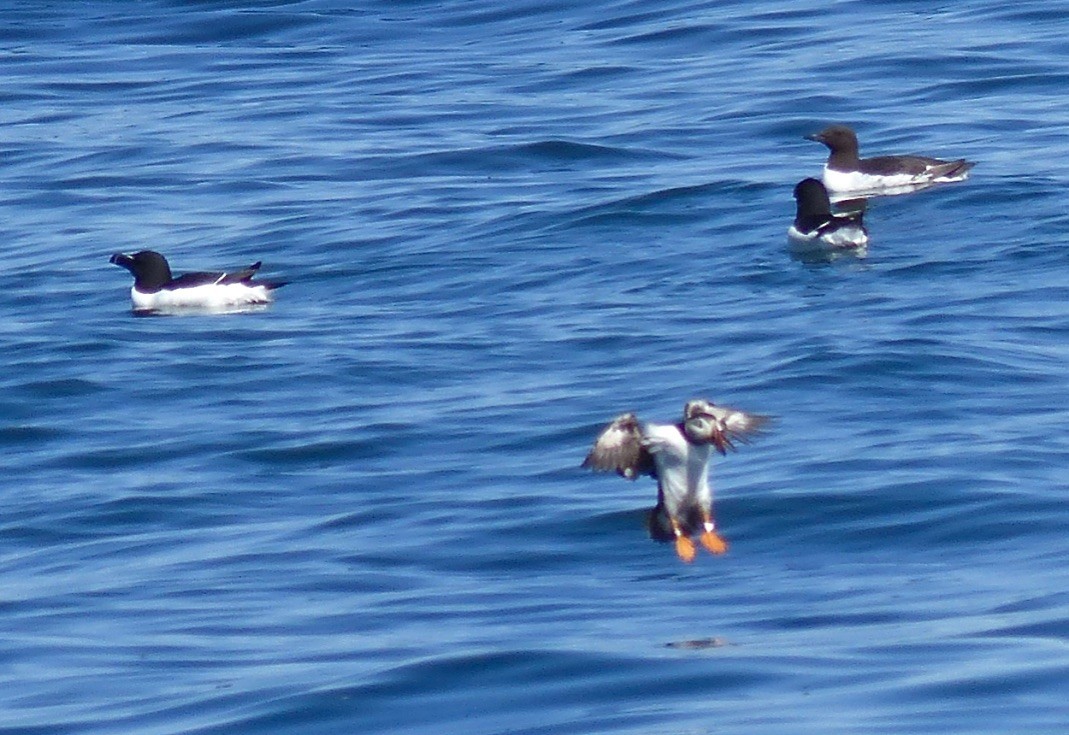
<point x="361" y="509"/>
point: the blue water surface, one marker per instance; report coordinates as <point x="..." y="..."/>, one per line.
<point x="361" y="510"/>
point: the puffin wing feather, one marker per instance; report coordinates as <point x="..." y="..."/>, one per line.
<point x="619" y="448"/>
<point x="734" y="425"/>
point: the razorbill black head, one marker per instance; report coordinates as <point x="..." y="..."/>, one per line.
<point x="677" y="455"/>
<point x="156" y="289"/>
<point x="815" y="227"/>
<point x="847" y="174"/>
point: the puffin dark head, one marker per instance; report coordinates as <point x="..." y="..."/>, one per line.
<point x="702" y="425"/>
<point x="696" y="407"/>
<point x="699" y="421"/>
<point x="150" y="269"/>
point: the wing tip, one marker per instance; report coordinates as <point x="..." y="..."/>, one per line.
<point x="617" y="448"/>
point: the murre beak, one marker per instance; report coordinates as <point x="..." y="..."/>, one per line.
<point x="815" y="136"/>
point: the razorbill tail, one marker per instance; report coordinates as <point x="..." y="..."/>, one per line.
<point x="677" y="455"/>
<point x="815" y="227"/>
<point x="155" y="289"/>
<point x="847" y="174"/>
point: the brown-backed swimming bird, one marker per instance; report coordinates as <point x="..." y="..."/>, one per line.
<point x="846" y="174"/>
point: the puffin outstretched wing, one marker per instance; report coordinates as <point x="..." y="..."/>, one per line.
<point x="733" y="425"/>
<point x="619" y="448"/>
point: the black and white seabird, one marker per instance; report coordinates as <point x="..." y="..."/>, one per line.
<point x="815" y="227"/>
<point x="847" y="174"/>
<point x="156" y="289"/>
<point x="677" y="455"/>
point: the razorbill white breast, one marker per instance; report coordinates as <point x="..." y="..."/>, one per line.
<point x="677" y="455"/>
<point x="156" y="289"/>
<point x="847" y="174"/>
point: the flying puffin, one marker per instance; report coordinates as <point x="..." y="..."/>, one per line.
<point x="677" y="455"/>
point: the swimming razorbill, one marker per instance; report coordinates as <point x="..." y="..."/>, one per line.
<point x="156" y="289"/>
<point x="815" y="227"/>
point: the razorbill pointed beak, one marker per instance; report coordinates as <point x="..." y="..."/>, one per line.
<point x="122" y="259"/>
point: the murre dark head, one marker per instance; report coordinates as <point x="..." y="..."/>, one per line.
<point x="837" y="138"/>
<point x="150" y="269"/>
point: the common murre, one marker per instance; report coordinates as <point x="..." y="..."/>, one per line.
<point x="846" y="174"/>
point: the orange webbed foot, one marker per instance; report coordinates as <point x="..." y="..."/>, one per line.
<point x="685" y="549"/>
<point x="712" y="541"/>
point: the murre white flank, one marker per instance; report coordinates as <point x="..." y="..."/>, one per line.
<point x="677" y="455"/>
<point x="815" y="227"/>
<point x="846" y="174"/>
<point x="155" y="289"/>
